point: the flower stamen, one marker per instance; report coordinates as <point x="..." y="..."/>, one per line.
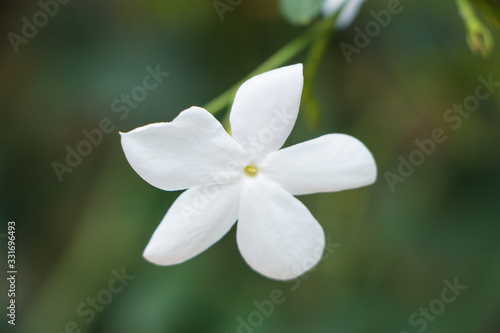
<point x="251" y="171"/>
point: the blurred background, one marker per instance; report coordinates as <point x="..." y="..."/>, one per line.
<point x="394" y="247"/>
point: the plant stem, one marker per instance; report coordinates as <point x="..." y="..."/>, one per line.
<point x="479" y="37"/>
<point x="315" y="55"/>
<point x="283" y="55"/>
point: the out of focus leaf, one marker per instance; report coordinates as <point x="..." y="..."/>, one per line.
<point x="491" y="10"/>
<point x="300" y="12"/>
<point x="479" y="37"/>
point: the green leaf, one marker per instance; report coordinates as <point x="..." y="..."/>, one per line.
<point x="479" y="37"/>
<point x="300" y="11"/>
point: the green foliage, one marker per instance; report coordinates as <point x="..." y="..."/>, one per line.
<point x="300" y="12"/>
<point x="396" y="247"/>
<point x="477" y="15"/>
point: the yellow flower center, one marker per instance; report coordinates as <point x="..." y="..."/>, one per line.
<point x="251" y="171"/>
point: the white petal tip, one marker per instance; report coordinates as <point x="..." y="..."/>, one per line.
<point x="295" y="272"/>
<point x="297" y="67"/>
<point x="149" y="256"/>
<point x="155" y="258"/>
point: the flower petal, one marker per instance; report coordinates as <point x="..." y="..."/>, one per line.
<point x="265" y="109"/>
<point x="192" y="150"/>
<point x="330" y="163"/>
<point x="197" y="219"/>
<point x="348" y="13"/>
<point x="277" y="235"/>
<point x="331" y="7"/>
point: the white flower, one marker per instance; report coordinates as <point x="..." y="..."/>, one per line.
<point x="246" y="178"/>
<point x="348" y="11"/>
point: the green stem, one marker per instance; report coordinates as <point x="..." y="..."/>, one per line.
<point x="314" y="57"/>
<point x="466" y="10"/>
<point x="282" y="56"/>
<point x="479" y="37"/>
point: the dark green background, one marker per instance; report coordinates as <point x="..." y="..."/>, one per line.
<point x="396" y="248"/>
